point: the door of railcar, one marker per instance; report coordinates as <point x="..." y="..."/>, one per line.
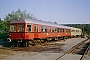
<point x="35" y="31"/>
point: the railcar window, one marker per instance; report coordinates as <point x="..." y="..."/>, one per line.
<point x="72" y="30"/>
<point x="20" y="28"/>
<point x="77" y="30"/>
<point x="12" y="28"/>
<point x="80" y="31"/>
<point x="57" y="29"/>
<point x="50" y="30"/>
<point x="60" y="30"/>
<point x="53" y="29"/>
<point x="67" y="30"/>
<point x="46" y="29"/>
<point x="42" y="29"/>
<point x="29" y="28"/>
<point x="63" y="30"/>
<point x="35" y="28"/>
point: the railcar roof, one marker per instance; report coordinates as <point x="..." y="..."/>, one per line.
<point x="28" y="20"/>
<point x="75" y="28"/>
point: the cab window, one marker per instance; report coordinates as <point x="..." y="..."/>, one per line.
<point x="21" y="28"/>
<point x="13" y="28"/>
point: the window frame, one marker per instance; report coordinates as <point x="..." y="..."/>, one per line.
<point x="67" y="30"/>
<point x="46" y="29"/>
<point x="57" y="29"/>
<point x="72" y="30"/>
<point x="42" y="28"/>
<point x="14" y="27"/>
<point x="21" y="28"/>
<point x="35" y="29"/>
<point x="27" y="26"/>
<point x="53" y="29"/>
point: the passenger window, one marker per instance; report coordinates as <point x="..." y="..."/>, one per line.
<point x="46" y="29"/>
<point x="42" y="29"/>
<point x="50" y="30"/>
<point x="67" y="30"/>
<point x="53" y="29"/>
<point x="12" y="28"/>
<point x="21" y="28"/>
<point x="72" y="30"/>
<point x="29" y="28"/>
<point x="57" y="29"/>
<point x="61" y="30"/>
<point x="35" y="28"/>
<point x="77" y="30"/>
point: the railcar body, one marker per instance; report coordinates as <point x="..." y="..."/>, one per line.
<point x="30" y="29"/>
<point x="75" y="32"/>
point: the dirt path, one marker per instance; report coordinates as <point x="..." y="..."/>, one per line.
<point x="45" y="51"/>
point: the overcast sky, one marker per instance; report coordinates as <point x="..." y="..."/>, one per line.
<point x="61" y="11"/>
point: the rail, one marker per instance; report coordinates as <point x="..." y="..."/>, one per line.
<point x="72" y="49"/>
<point x="85" y="53"/>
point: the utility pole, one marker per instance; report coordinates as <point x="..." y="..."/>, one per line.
<point x="82" y="27"/>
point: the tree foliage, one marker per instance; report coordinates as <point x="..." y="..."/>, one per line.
<point x="85" y="27"/>
<point x="15" y="14"/>
<point x="55" y="22"/>
<point x="4" y="24"/>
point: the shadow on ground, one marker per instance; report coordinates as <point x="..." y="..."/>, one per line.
<point x="5" y="43"/>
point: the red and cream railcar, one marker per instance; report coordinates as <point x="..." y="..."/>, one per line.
<point x="30" y="29"/>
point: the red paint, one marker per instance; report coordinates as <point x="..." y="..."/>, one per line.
<point x="17" y="35"/>
<point x="36" y="35"/>
<point x="31" y="35"/>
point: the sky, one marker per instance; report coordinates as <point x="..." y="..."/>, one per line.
<point x="61" y="11"/>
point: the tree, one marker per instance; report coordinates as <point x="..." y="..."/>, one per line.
<point x="86" y="27"/>
<point x="0" y="19"/>
<point x="15" y="14"/>
<point x="55" y="22"/>
<point x="2" y="25"/>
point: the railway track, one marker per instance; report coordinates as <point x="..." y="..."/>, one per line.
<point x="86" y="52"/>
<point x="72" y="50"/>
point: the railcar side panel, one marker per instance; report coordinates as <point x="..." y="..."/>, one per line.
<point x="45" y="30"/>
<point x="17" y="35"/>
<point x="29" y="35"/>
<point x="35" y="35"/>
